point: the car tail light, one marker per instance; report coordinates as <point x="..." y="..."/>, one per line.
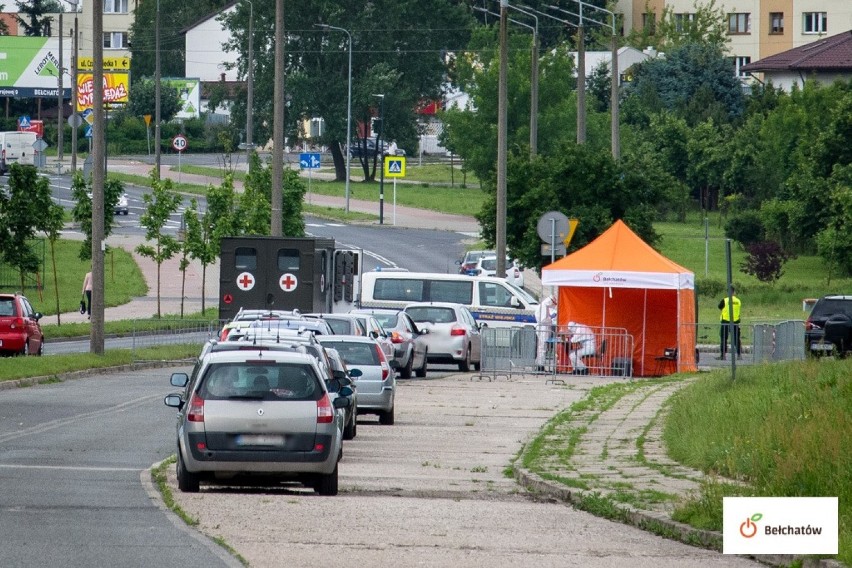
<point x="325" y="412"/>
<point x="17" y="322"/>
<point x="196" y="409"/>
<point x="396" y="337"/>
<point x="809" y="325"/>
<point x="384" y="362"/>
<point x="224" y="335"/>
<point x="456" y="330"/>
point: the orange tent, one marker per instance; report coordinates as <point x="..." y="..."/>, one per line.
<point x="619" y="281"/>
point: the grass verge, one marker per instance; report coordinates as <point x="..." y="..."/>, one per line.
<point x="120" y="328"/>
<point x="11" y="368"/>
<point x="785" y="429"/>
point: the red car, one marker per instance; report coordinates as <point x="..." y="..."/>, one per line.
<point x="20" y="332"/>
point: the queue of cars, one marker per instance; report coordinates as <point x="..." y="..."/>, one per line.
<point x="484" y="263"/>
<point x="273" y="398"/>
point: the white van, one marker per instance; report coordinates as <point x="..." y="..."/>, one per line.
<point x="16" y="148"/>
<point x="492" y="301"/>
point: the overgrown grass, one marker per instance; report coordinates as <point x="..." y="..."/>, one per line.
<point x="12" y="368"/>
<point x="785" y="429"/>
<point x="122" y="276"/>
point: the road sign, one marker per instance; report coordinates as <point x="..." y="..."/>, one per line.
<point x="309" y="160"/>
<point x="147" y="118"/>
<point x="88" y="115"/>
<point x="394" y="166"/>
<point x="558" y="250"/>
<point x="110" y="63"/>
<point x="75" y="120"/>
<point x="552" y="225"/>
<point x="24" y="121"/>
<point x="39" y="145"/>
<point x="180" y="143"/>
<point x="88" y="133"/>
<point x="572" y="227"/>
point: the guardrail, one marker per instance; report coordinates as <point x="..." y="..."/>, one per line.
<point x="155" y="333"/>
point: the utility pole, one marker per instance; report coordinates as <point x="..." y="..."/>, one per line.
<point x="157" y="79"/>
<point x="250" y="82"/>
<point x="581" y="81"/>
<point x="74" y="93"/>
<point x="381" y="153"/>
<point x="502" y="143"/>
<point x="59" y="97"/>
<point x="96" y="338"/>
<point x="278" y="124"/>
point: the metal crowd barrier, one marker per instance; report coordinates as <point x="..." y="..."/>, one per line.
<point x="759" y="342"/>
<point x="156" y="333"/>
<point x="549" y="350"/>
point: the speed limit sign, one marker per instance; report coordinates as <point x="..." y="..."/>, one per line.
<point x="179" y="143"/>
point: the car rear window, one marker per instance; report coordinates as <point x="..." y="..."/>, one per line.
<point x="399" y="289"/>
<point x="7" y="307"/>
<point x="339" y="326"/>
<point x="268" y="381"/>
<point x="431" y="314"/>
<point x="828" y="307"/>
<point x="354" y="354"/>
<point x="387" y="320"/>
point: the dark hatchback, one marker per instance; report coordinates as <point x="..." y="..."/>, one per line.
<point x="828" y="329"/>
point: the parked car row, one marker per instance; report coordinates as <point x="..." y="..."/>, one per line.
<point x="484" y="263"/>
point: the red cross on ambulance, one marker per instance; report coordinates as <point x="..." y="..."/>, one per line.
<point x="245" y="281"/>
<point x="288" y="282"/>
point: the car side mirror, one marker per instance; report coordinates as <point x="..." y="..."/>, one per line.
<point x="459" y="262"/>
<point x="173" y="401"/>
<point x="424" y="331"/>
<point x="37" y="316"/>
<point x="342" y="401"/>
<point x="179" y="379"/>
<point x="339" y="376"/>
<point x="345" y="391"/>
<point x="374" y="334"/>
<point x="355" y="373"/>
<point x="514" y="302"/>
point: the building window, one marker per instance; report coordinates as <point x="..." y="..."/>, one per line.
<point x="649" y="22"/>
<point x="776" y="23"/>
<point x="115" y="6"/>
<point x="815" y="23"/>
<point x="739" y="23"/>
<point x="683" y="21"/>
<point x="739" y="63"/>
<point x="115" y="40"/>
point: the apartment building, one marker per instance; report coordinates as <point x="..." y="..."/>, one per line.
<point x="117" y="19"/>
<point x="757" y="28"/>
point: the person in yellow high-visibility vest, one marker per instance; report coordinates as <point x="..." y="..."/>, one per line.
<point x="728" y="324"/>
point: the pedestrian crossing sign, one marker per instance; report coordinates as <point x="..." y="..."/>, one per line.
<point x="394" y="166"/>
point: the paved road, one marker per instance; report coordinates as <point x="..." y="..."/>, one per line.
<point x="74" y="491"/>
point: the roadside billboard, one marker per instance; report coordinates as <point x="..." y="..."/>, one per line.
<point x="116" y="89"/>
<point x="29" y="67"/>
<point x="190" y="95"/>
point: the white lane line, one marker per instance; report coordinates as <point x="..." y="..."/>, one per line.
<point x="377" y="256"/>
<point x="467" y="234"/>
<point x="69" y="467"/>
<point x="335" y="225"/>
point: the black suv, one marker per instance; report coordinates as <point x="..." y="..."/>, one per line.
<point x="828" y="330"/>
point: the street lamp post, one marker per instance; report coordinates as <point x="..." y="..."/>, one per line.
<point x="250" y="83"/>
<point x="382" y="154"/>
<point x="348" y="111"/>
<point x="60" y="114"/>
<point x="502" y="141"/>
<point x="157" y="78"/>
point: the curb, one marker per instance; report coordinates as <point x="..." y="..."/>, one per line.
<point x="657" y="523"/>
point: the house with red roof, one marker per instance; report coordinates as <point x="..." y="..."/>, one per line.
<point x="825" y="60"/>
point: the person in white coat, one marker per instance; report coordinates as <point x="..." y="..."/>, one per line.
<point x="546" y="322"/>
<point x="581" y="339"/>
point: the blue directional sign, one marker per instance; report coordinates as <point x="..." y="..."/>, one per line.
<point x="24" y="121"/>
<point x="88" y="133"/>
<point x="309" y="160"/>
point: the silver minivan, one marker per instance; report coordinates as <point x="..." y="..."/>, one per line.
<point x="248" y="416"/>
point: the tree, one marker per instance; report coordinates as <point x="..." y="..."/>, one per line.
<point x="36" y="23"/>
<point x="398" y="50"/>
<point x="695" y="81"/>
<point x="199" y="242"/>
<point x="765" y="261"/>
<point x="706" y="24"/>
<point x="81" y="191"/>
<point x="253" y="207"/>
<point x="143" y="100"/>
<point x="51" y="223"/>
<point x="160" y="204"/>
<point x="20" y="216"/>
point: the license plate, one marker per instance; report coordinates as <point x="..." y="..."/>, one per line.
<point x="259" y="440"/>
<point x="822" y="346"/>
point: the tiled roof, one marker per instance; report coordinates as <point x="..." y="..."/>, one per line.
<point x="828" y="54"/>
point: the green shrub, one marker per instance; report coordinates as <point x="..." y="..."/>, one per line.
<point x="746" y="228"/>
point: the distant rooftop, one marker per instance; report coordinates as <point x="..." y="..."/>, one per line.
<point x="829" y="54"/>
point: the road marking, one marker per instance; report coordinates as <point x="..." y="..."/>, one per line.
<point x="467" y="234"/>
<point x="70" y="467"/>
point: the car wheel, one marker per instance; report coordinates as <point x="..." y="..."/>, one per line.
<point x="26" y="349"/>
<point x="187" y="482"/>
<point x="326" y="484"/>
<point x="406" y="371"/>
<point x="41" y="348"/>
<point x="421" y="372"/>
<point x="386" y="418"/>
<point x="349" y="430"/>
<point x="464" y="366"/>
<point x="477" y="366"/>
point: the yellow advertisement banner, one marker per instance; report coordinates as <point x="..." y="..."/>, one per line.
<point x="116" y="89"/>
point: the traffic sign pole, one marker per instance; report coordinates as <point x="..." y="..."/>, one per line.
<point x="394" y="201"/>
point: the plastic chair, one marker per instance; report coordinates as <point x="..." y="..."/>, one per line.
<point x="666" y="360"/>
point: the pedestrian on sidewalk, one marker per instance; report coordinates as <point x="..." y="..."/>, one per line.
<point x="729" y="325"/>
<point x="87" y="291"/>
